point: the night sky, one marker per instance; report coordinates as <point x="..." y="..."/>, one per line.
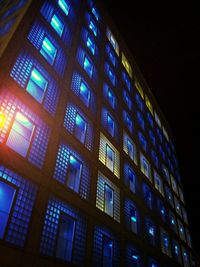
<point x="164" y="43"/>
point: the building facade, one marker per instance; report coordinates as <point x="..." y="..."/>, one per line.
<point x="88" y="168"/>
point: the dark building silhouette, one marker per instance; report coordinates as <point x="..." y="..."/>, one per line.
<point x="88" y="168"/>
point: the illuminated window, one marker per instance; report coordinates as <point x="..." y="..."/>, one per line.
<point x="113" y="41"/>
<point x="64" y="5"/>
<point x="84" y="93"/>
<point x="107" y="252"/>
<point x="152" y="137"/>
<point x="172" y="222"/>
<point x="126" y="65"/>
<point x="139" y="102"/>
<point x="110" y="158"/>
<point x="7" y="194"/>
<point x="159" y="133"/>
<point x="174" y="184"/>
<point x="177" y="206"/>
<point x="165" y="173"/>
<point x="139" y="88"/>
<point x="80" y="128"/>
<point x="165" y="243"/>
<point x="37" y="85"/>
<point x="148" y="196"/>
<point x="162" y="152"/>
<point x="95" y="13"/>
<point x="186" y="261"/>
<point x="48" y="50"/>
<point x="157" y="119"/>
<point x="90" y="44"/>
<point x="142" y="141"/>
<point x="161" y="209"/>
<point x="165" y="134"/>
<point x="158" y="183"/>
<point x="110" y="125"/>
<point x="126" y="80"/>
<point x="74" y="173"/>
<point x="111" y="55"/>
<point x="133" y="218"/>
<point x="128" y="122"/>
<point x="148" y="104"/>
<point x="93" y="27"/>
<point x="154" y="158"/>
<point x="111" y="97"/>
<point x="130" y="148"/>
<point x="88" y="66"/>
<point x="145" y="166"/>
<point x="127" y="100"/>
<point x="110" y="73"/>
<point x="169" y="196"/>
<point x="150" y="119"/>
<point x="134" y="259"/>
<point x="150" y="231"/>
<point x="65" y="239"/>
<point x="108" y="200"/>
<point x="140" y="119"/>
<point x="57" y="24"/>
<point x="176" y="251"/>
<point x="132" y="180"/>
<point x="181" y="230"/>
<point x="20" y="135"/>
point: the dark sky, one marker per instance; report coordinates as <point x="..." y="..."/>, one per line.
<point x="164" y="43"/>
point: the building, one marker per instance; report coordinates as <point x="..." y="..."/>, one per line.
<point x="88" y="168"/>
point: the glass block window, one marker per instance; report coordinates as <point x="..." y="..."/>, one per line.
<point x="148" y="195"/>
<point x="113" y="41"/>
<point x="148" y="104"/>
<point x="161" y="209"/>
<point x="110" y="74"/>
<point x="150" y="120"/>
<point x="109" y="155"/>
<point x="155" y="159"/>
<point x="140" y="120"/>
<point x="110" y="96"/>
<point x="174" y="184"/>
<point x="111" y="55"/>
<point x="84" y="92"/>
<point x="169" y="196"/>
<point x="165" y="173"/>
<point x="105" y="248"/>
<point x="177" y="206"/>
<point x="87" y="64"/>
<point x="131" y="216"/>
<point x="78" y="125"/>
<point x="127" y="100"/>
<point x="64" y="6"/>
<point x="158" y="183"/>
<point x="64" y="233"/>
<point x="133" y="258"/>
<point x="128" y="121"/>
<point x="17" y="197"/>
<point x="150" y="230"/>
<point x="130" y="178"/>
<point x="184" y="213"/>
<point x="28" y="135"/>
<point x="186" y="258"/>
<point x="108" y="197"/>
<point x="139" y="101"/>
<point x="176" y="251"/>
<point x="165" y="242"/>
<point x="129" y="147"/>
<point x="72" y="170"/>
<point x="173" y="222"/>
<point x="127" y="81"/>
<point x="55" y="18"/>
<point x="145" y="167"/>
<point x="109" y="123"/>
<point x="142" y="141"/>
<point x="48" y="47"/>
<point x="127" y="66"/>
<point x="33" y="78"/>
<point x="152" y="137"/>
<point x="181" y="230"/>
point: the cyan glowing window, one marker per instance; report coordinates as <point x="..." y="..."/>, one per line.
<point x="158" y="183"/>
<point x="150" y="231"/>
<point x="110" y="125"/>
<point x="64" y="5"/>
<point x="90" y="44"/>
<point x="57" y="24"/>
<point x="20" y="135"/>
<point x="152" y="137"/>
<point x="134" y="259"/>
<point x="145" y="167"/>
<point x="110" y="158"/>
<point x="150" y="119"/>
<point x="128" y="121"/>
<point x="80" y="128"/>
<point x="127" y="100"/>
<point x="142" y="141"/>
<point x="85" y="93"/>
<point x="37" y="85"/>
<point x="48" y="50"/>
<point x="165" y="243"/>
<point x="113" y="41"/>
<point x="65" y="238"/>
<point x="148" y="196"/>
<point x="95" y="13"/>
<point x="133" y="219"/>
<point x="93" y="27"/>
<point x="108" y="200"/>
<point x="172" y="222"/>
<point x="88" y="66"/>
<point x="139" y="101"/>
<point x="74" y="173"/>
<point x="107" y="252"/>
<point x="7" y="194"/>
<point x="140" y="119"/>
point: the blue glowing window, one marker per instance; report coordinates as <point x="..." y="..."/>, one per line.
<point x="111" y="98"/>
<point x="152" y="137"/>
<point x="7" y="194"/>
<point x="88" y="66"/>
<point x="111" y="55"/>
<point x="37" y="85"/>
<point x="148" y="196"/>
<point x="130" y="149"/>
<point x="90" y="44"/>
<point x="64" y="6"/>
<point x="126" y="80"/>
<point x="140" y="120"/>
<point x="108" y="200"/>
<point x="134" y="259"/>
<point x="48" y="50"/>
<point x="142" y="141"/>
<point x="57" y="24"/>
<point x="74" y="173"/>
<point x="110" y="125"/>
<point x="150" y="119"/>
<point x="20" y="134"/>
<point x="94" y="12"/>
<point x="133" y="214"/>
<point x="84" y="93"/>
<point x="161" y="209"/>
<point x="111" y="76"/>
<point x="127" y="99"/>
<point x="139" y="102"/>
<point x="132" y="180"/>
<point x="80" y="128"/>
<point x="93" y="27"/>
<point x="128" y="122"/>
<point x="110" y="157"/>
<point x="65" y="238"/>
<point x="107" y="252"/>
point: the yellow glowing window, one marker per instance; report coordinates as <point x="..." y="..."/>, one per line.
<point x="139" y="88"/>
<point x="148" y="104"/>
<point x="113" y="41"/>
<point x="127" y="66"/>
